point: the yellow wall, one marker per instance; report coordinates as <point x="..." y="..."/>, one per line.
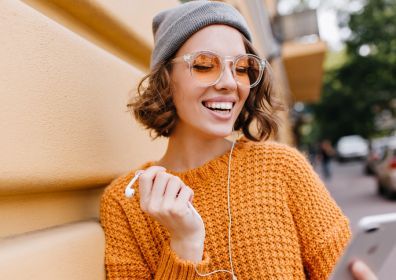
<point x="65" y="131"/>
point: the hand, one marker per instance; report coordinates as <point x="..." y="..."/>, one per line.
<point x="361" y="271"/>
<point x="168" y="200"/>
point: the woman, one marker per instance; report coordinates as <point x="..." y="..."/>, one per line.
<point x="213" y="208"/>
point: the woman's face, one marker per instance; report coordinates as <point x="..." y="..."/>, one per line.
<point x="195" y="103"/>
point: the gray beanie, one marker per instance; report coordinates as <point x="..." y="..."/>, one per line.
<point x="172" y="27"/>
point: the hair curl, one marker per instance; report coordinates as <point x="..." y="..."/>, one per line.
<point x="153" y="104"/>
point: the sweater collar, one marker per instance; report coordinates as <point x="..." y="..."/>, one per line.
<point x="216" y="166"/>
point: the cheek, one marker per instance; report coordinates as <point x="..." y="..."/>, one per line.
<point x="177" y="89"/>
<point x="180" y="75"/>
<point x="179" y="92"/>
<point x="243" y="95"/>
<point x="178" y="101"/>
<point x="183" y="99"/>
<point x="181" y="86"/>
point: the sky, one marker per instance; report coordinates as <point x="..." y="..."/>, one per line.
<point x="327" y="12"/>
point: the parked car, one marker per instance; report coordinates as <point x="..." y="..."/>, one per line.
<point x="377" y="148"/>
<point x="351" y="147"/>
<point x="386" y="172"/>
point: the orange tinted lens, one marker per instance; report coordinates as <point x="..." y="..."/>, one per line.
<point x="206" y="68"/>
<point x="247" y="70"/>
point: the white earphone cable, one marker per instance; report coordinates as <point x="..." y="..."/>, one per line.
<point x="229" y="222"/>
<point x="229" y="209"/>
<point x="129" y="192"/>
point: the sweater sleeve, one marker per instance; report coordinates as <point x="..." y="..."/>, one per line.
<point x="124" y="258"/>
<point x="322" y="227"/>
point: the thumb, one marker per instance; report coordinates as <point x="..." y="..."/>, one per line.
<point x="361" y="271"/>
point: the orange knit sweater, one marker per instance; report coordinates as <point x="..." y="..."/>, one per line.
<point x="285" y="224"/>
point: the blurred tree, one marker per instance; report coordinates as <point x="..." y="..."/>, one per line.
<point x="357" y="92"/>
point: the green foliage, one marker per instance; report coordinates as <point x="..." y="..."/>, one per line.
<point x="335" y="60"/>
<point x="356" y="92"/>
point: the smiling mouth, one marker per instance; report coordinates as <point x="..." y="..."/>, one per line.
<point x="219" y="107"/>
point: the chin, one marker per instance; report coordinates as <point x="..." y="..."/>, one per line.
<point x="219" y="132"/>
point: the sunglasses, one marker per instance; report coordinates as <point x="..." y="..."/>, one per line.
<point x="207" y="67"/>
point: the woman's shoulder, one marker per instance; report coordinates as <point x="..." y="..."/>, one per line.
<point x="117" y="210"/>
<point x="117" y="186"/>
<point x="274" y="155"/>
<point x="270" y="148"/>
<point x="116" y="189"/>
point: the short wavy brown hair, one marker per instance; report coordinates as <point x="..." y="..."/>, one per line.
<point x="153" y="104"/>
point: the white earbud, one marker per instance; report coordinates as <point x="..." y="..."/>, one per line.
<point x="129" y="191"/>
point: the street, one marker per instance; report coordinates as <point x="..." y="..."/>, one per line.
<point x="356" y="194"/>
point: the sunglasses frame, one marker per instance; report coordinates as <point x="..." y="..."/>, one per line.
<point x="190" y="57"/>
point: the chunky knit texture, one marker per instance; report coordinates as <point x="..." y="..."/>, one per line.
<point x="285" y="224"/>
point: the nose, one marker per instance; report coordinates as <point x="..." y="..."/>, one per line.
<point x="227" y="80"/>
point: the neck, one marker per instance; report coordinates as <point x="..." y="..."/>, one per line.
<point x="187" y="151"/>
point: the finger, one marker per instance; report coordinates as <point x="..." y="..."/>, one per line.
<point x="171" y="191"/>
<point x="160" y="181"/>
<point x="361" y="271"/>
<point x="146" y="181"/>
<point x="185" y="195"/>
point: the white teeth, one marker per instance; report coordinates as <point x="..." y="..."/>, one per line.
<point x="219" y="105"/>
